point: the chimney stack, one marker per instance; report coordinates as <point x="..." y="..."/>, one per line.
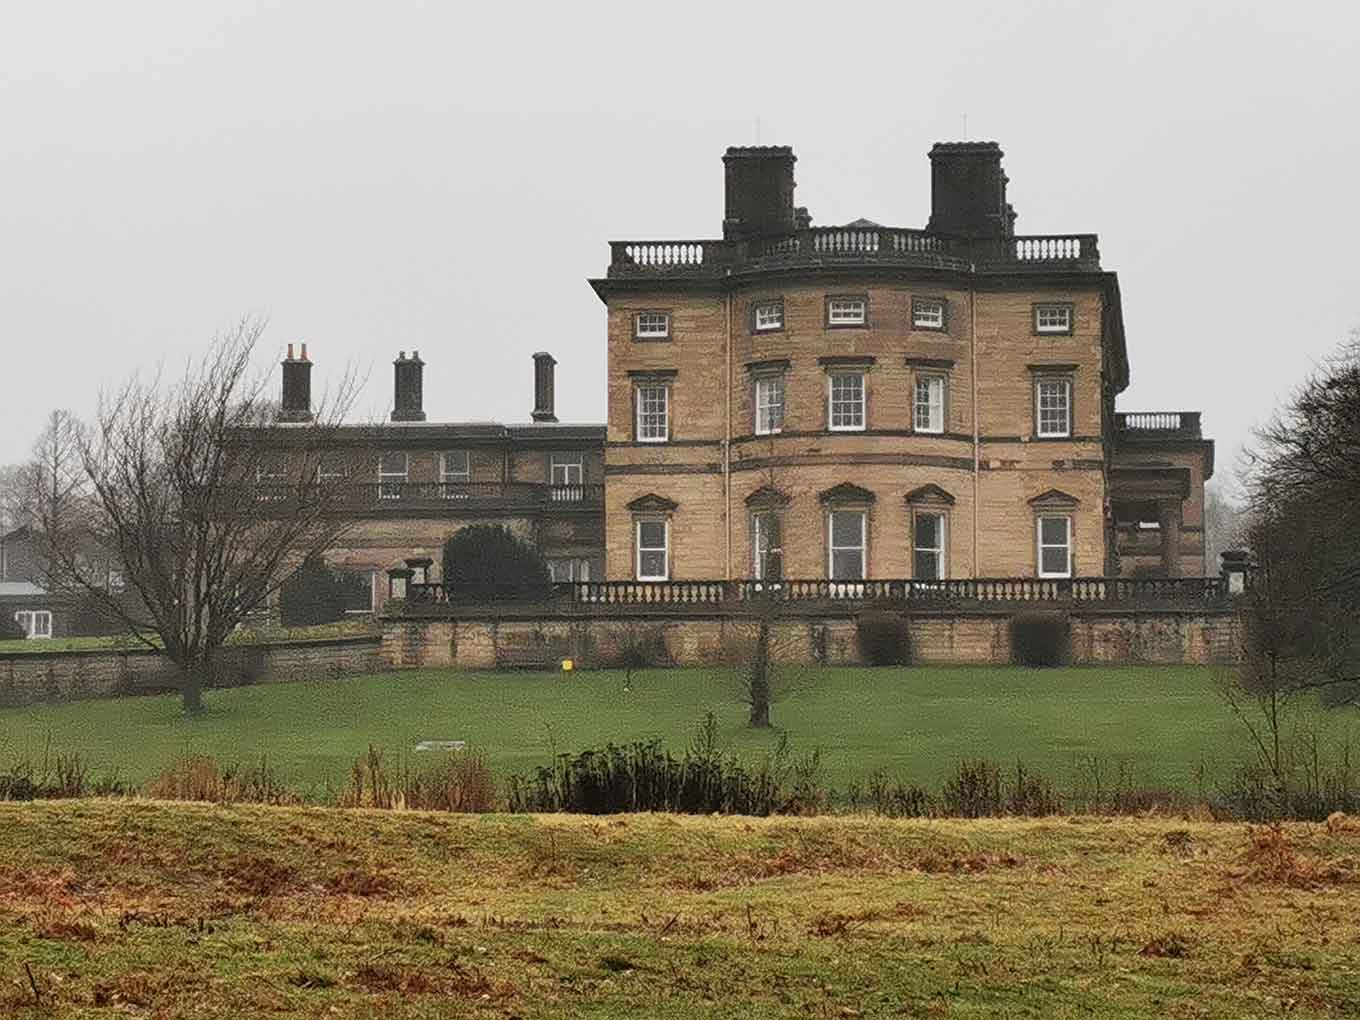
<point x="968" y="191"/>
<point x="409" y="388"/>
<point x="543" y="387"/>
<point x="296" y="402"/>
<point x="759" y="192"/>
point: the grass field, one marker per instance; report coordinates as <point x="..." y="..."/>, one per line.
<point x="182" y="910"/>
<point x="919" y="722"/>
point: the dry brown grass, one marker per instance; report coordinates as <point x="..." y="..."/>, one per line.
<point x="453" y="981"/>
<point x="1271" y="857"/>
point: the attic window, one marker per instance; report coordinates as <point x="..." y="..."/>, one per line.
<point x="769" y="315"/>
<point x="1052" y="318"/>
<point x="847" y="311"/>
<point x="927" y="313"/>
<point x="652" y="325"/>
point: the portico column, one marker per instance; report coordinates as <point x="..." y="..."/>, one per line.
<point x="1169" y="517"/>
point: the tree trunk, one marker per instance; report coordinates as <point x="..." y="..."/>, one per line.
<point x="191" y="685"/>
<point x="758" y="683"/>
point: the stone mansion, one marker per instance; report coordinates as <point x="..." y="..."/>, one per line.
<point x="816" y="402"/>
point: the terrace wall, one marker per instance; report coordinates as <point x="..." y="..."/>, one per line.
<point x="476" y="638"/>
<point x="30" y="677"/>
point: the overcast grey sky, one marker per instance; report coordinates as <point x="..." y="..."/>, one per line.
<point x="397" y="175"/>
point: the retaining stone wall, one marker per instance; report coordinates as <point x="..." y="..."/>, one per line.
<point x="27" y="678"/>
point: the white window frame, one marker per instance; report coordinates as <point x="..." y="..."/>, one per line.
<point x="327" y="472"/>
<point x="446" y="476"/>
<point x="847" y="311"/>
<point x="940" y="551"/>
<point x="372" y="593"/>
<point x="927" y="313"/>
<point x="1066" y="545"/>
<point x="760" y="546"/>
<point x="271" y="478"/>
<point x="1059" y="318"/>
<point x="769" y="315"/>
<point x="1066" y="389"/>
<point x="391" y="477"/>
<point x="664" y="548"/>
<point x="831" y="402"/>
<point x="652" y="325"/>
<point x="832" y="548"/>
<point x="573" y="469"/>
<point x="568" y="569"/>
<point x="640" y="390"/>
<point x="765" y="388"/>
<point x="29" y="619"/>
<point x="934" y="409"/>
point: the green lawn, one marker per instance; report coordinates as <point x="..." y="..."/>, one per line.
<point x="1167" y="721"/>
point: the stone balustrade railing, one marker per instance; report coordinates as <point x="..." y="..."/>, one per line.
<point x="851" y="245"/>
<point x="1158" y="423"/>
<point x="1189" y="592"/>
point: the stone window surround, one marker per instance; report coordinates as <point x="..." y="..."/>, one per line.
<point x="854" y="364"/>
<point x="647" y="378"/>
<point x="931" y="499"/>
<point x="1047" y="373"/>
<point x="847" y="497"/>
<point x="1055" y="504"/>
<point x="652" y="508"/>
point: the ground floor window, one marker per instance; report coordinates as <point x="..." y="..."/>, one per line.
<point x="928" y="547"/>
<point x="36" y="623"/>
<point x="564" y="569"/>
<point x="358" y="587"/>
<point x="767" y="546"/>
<point x="846" y="546"/>
<point x="1055" y="546"/>
<point x="653" y="550"/>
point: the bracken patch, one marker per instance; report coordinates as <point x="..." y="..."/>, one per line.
<point x="1271" y="857"/>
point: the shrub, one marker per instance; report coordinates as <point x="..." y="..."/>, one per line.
<point x="1040" y="638"/>
<point x="973" y="791"/>
<point x="454" y="781"/>
<point x="893" y="797"/>
<point x="883" y="638"/>
<point x="10" y="629"/>
<point x="485" y="562"/>
<point x="57" y="776"/>
<point x="643" y="776"/>
<point x="639" y="646"/>
<point x="317" y="594"/>
<point x="202" y="777"/>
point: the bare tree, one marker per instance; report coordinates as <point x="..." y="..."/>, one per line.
<point x="204" y="502"/>
<point x="758" y="681"/>
<point x="1223" y="526"/>
<point x="13" y="496"/>
<point x="1300" y="616"/>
